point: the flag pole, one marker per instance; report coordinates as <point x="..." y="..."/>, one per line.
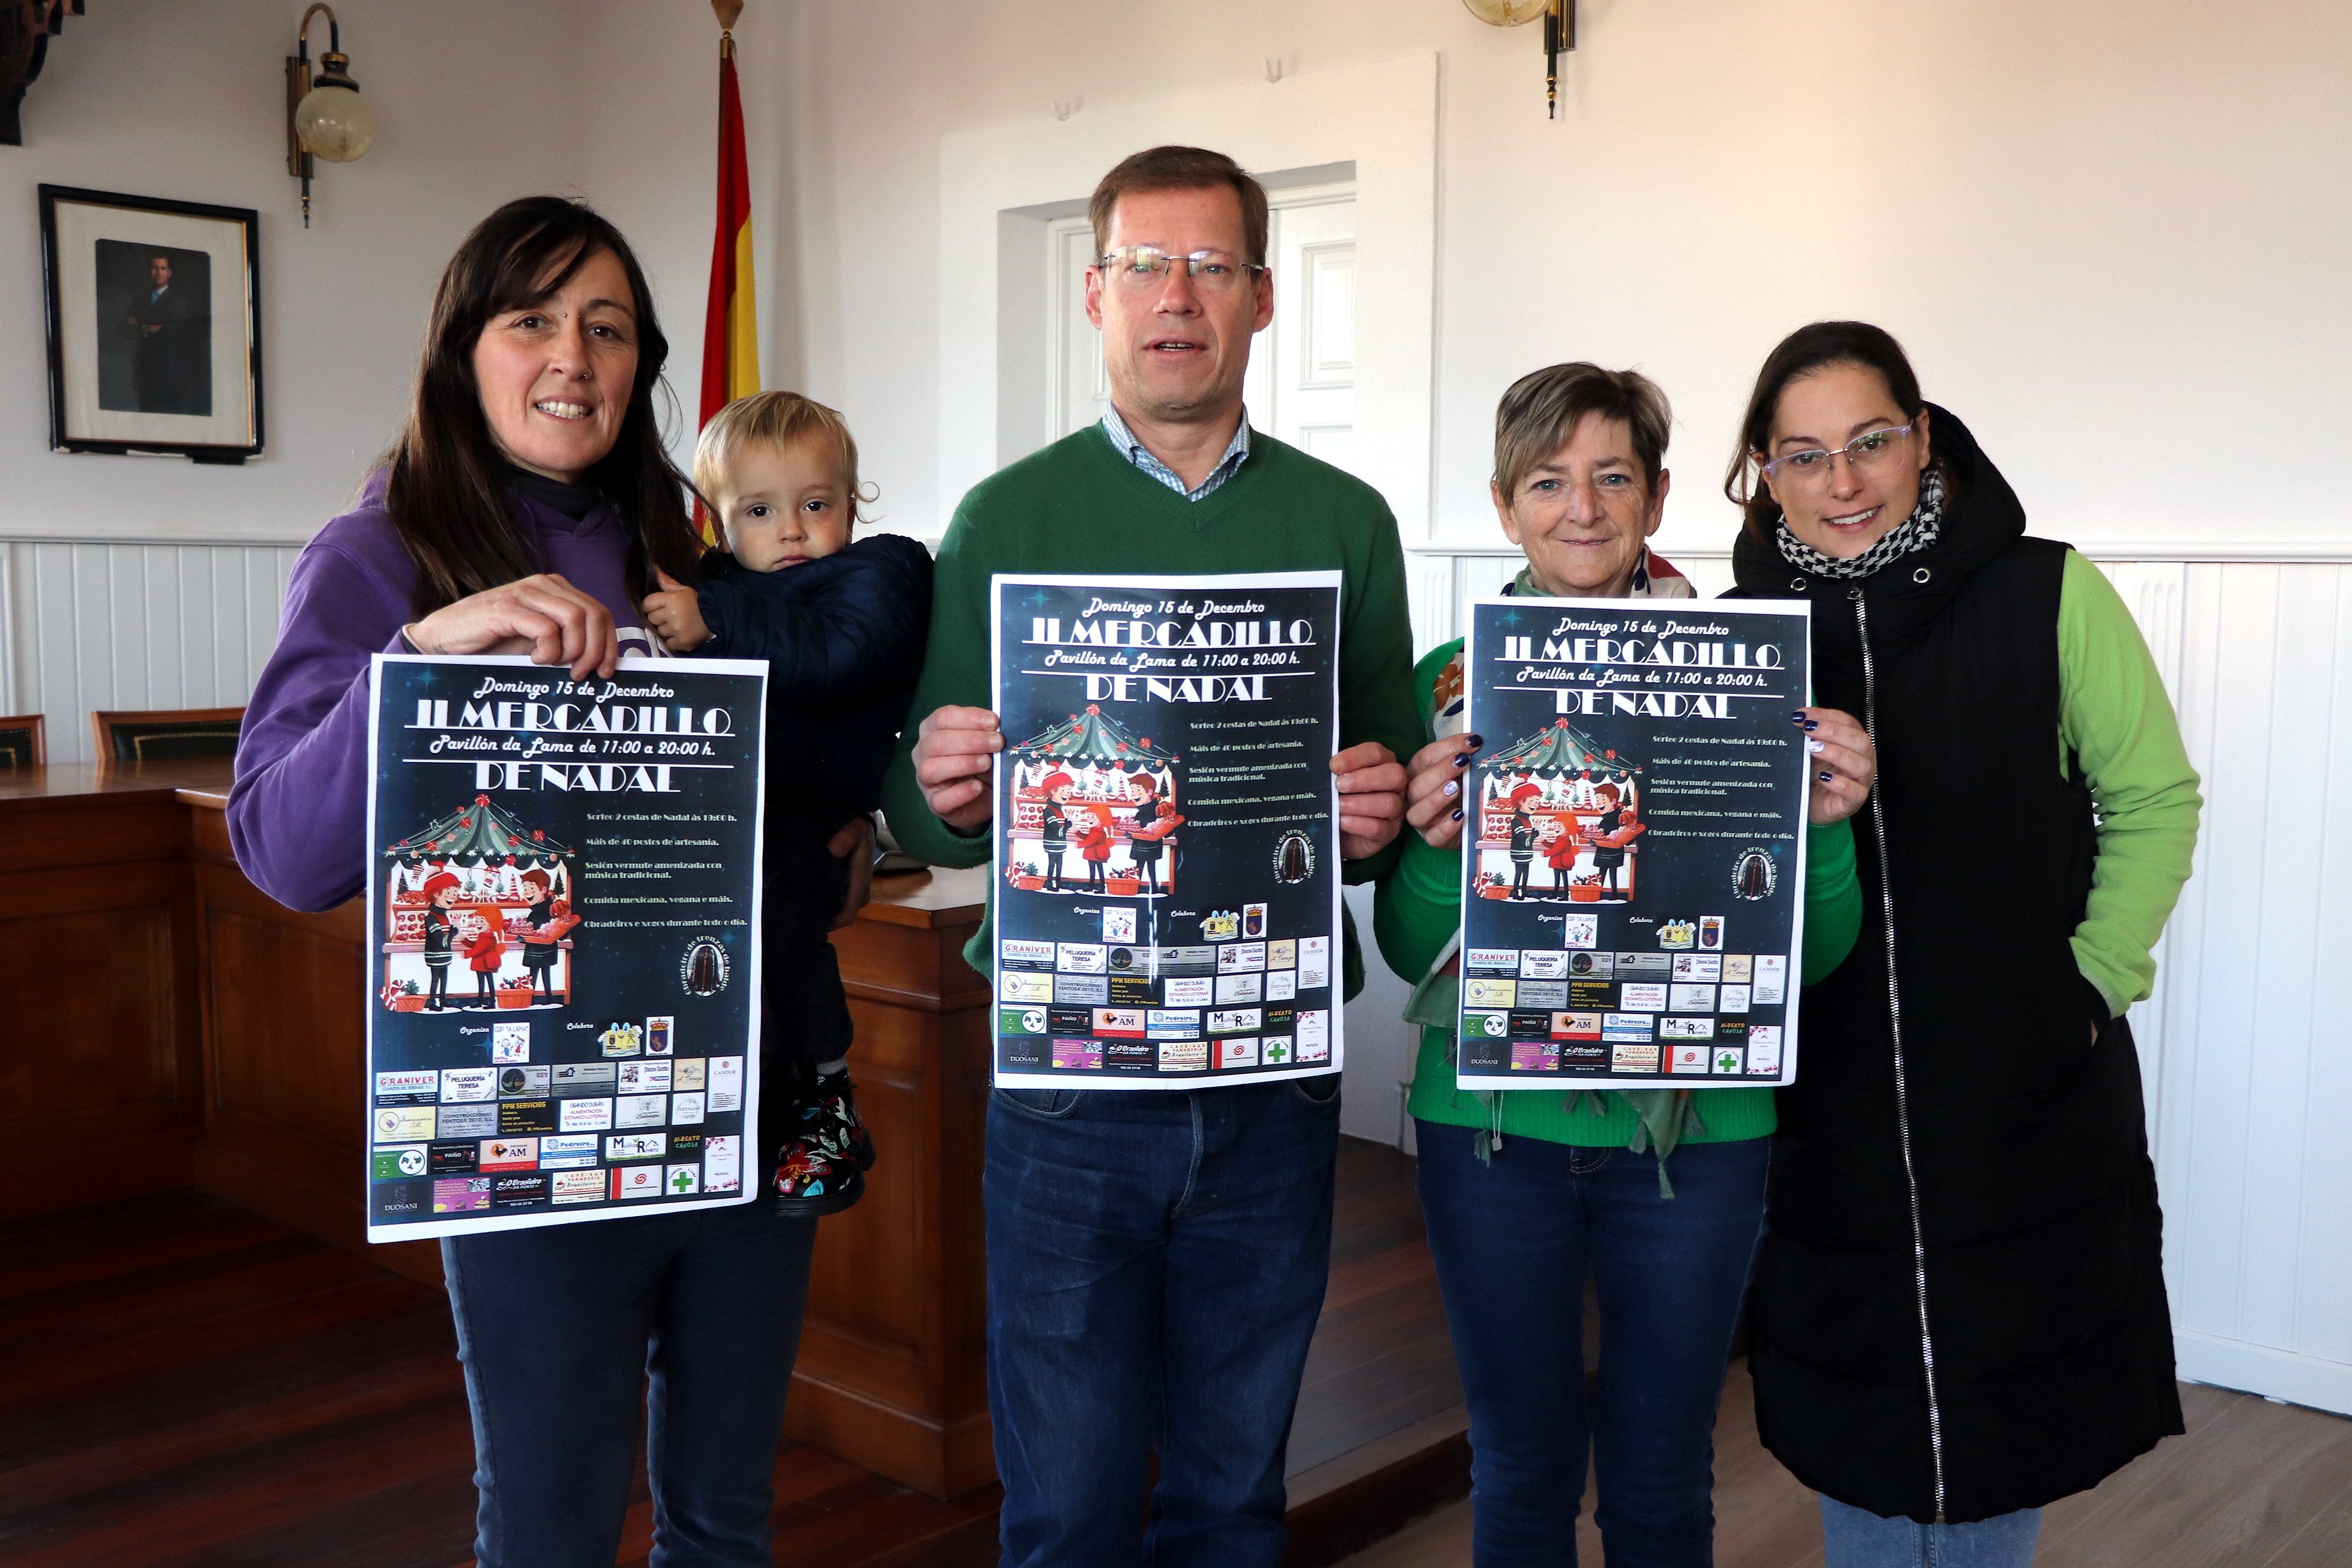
<point x="731" y="339"/>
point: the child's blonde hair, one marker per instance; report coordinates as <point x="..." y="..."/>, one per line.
<point x="774" y="419"/>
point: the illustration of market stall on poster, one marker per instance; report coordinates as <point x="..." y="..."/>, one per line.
<point x="1166" y="838"/>
<point x="482" y="880"/>
<point x="1633" y="880"/>
<point x="1115" y="791"/>
<point x="564" y="959"/>
<point x="1556" y="797"/>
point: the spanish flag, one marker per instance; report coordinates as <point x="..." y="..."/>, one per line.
<point x="731" y="333"/>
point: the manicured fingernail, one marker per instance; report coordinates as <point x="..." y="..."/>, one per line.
<point x="1797" y="715"/>
<point x="1462" y="761"/>
<point x="1814" y="746"/>
<point x="1452" y="786"/>
<point x="1828" y="777"/>
<point x="1812" y="723"/>
<point x="1472" y="739"/>
<point x="1458" y="813"/>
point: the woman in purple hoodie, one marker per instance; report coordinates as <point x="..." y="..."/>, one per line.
<point x="525" y="507"/>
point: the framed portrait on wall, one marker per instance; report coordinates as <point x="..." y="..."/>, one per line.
<point x="154" y="325"/>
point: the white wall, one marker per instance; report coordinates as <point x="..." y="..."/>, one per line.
<point x="2111" y="233"/>
<point x="477" y="102"/>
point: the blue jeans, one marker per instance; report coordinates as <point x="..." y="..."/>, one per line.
<point x="1155" y="1262"/>
<point x="1854" y="1538"/>
<point x="1513" y="1241"/>
<point x="568" y="1333"/>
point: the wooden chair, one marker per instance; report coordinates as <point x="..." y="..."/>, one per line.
<point x="24" y="741"/>
<point x="165" y="735"/>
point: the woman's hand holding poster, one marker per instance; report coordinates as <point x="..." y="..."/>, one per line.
<point x="562" y="951"/>
<point x="1633" y="865"/>
<point x="1167" y="854"/>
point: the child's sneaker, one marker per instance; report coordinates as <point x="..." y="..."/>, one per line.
<point x="826" y="1153"/>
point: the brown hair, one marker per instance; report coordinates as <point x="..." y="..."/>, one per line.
<point x="1180" y="169"/>
<point x="1809" y="349"/>
<point x="1539" y="413"/>
<point x="773" y="419"/>
<point x="446" y="489"/>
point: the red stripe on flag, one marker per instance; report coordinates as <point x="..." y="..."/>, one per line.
<point x="734" y="211"/>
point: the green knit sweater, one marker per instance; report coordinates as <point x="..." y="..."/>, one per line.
<point x="1078" y="507"/>
<point x="1419" y="908"/>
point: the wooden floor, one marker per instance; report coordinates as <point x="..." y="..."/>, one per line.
<point x="184" y="1383"/>
<point x="2254" y="1485"/>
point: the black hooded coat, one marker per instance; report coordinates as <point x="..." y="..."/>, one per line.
<point x="1959" y="1306"/>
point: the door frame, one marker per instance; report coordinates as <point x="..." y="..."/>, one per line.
<point x="1002" y="186"/>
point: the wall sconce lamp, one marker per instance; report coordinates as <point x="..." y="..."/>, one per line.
<point x="1559" y="34"/>
<point x="325" y="117"/>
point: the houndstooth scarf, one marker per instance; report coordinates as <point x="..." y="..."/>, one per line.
<point x="1914" y="532"/>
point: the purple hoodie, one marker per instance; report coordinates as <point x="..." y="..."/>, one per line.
<point x="297" y="813"/>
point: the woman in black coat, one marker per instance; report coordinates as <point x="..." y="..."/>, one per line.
<point x="1959" y="1310"/>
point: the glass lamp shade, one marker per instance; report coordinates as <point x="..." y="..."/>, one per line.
<point x="335" y="122"/>
<point x="1506" y="13"/>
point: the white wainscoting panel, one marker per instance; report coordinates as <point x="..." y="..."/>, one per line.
<point x="2246" y="1045"/>
<point x="138" y="625"/>
<point x="2255" y="1136"/>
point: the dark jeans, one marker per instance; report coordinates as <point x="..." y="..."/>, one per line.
<point x="1513" y="1241"/>
<point x="561" y="1331"/>
<point x="1155" y="1262"/>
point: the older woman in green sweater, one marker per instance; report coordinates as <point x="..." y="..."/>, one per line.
<point x="1658" y="1194"/>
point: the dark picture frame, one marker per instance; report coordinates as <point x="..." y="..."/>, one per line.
<point x="154" y="325"/>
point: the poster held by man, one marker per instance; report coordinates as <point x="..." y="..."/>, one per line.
<point x="154" y="325"/>
<point x="1166" y="840"/>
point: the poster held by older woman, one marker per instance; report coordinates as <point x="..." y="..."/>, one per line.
<point x="1632" y="901"/>
<point x="591" y="847"/>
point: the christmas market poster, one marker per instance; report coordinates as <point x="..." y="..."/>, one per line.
<point x="1633" y="865"/>
<point x="563" y="961"/>
<point x="1166" y="834"/>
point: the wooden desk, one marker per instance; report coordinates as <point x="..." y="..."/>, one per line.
<point x="101" y="1068"/>
<point x="174" y="1026"/>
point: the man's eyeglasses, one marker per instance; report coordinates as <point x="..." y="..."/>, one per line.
<point x="1139" y="268"/>
<point x="1869" y="452"/>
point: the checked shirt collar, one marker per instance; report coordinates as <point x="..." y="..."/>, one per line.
<point x="1237" y="453"/>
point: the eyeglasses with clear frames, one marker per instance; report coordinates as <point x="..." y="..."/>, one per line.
<point x="1869" y="452"/>
<point x="1142" y="267"/>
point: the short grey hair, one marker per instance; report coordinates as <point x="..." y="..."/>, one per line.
<point x="1540" y="412"/>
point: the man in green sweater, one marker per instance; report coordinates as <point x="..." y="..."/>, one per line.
<point x="1157" y="1259"/>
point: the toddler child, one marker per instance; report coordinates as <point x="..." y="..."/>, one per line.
<point x="841" y="624"/>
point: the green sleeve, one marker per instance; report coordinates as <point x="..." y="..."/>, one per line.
<point x="2115" y="719"/>
<point x="955" y="673"/>
<point x="1376" y="695"/>
<point x="1833" y="898"/>
<point x="1418" y="906"/>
